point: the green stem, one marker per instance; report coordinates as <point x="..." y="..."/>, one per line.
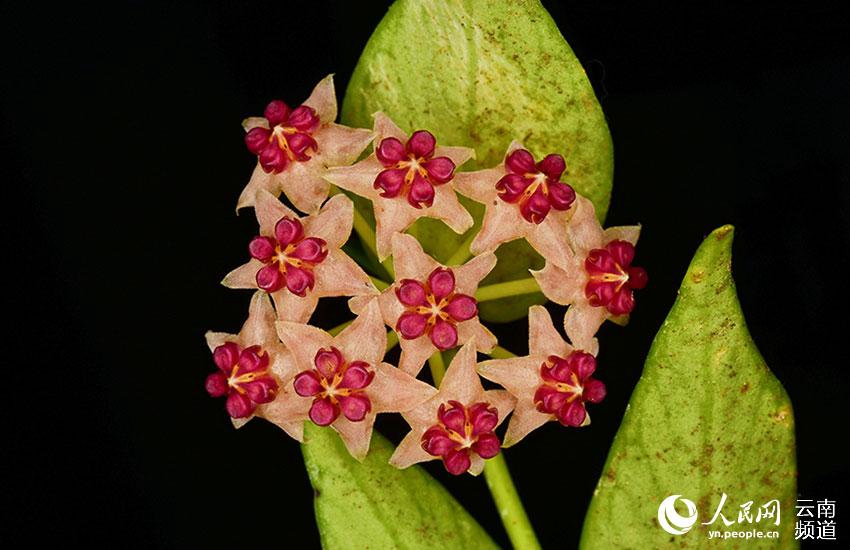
<point x="462" y="253"/>
<point x="392" y="339"/>
<point x="507" y="289"/>
<point x="379" y="284"/>
<point x="501" y="353"/>
<point x="367" y="235"/>
<point x="339" y="328"/>
<point x="499" y="481"/>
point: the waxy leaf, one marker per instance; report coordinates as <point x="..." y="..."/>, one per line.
<point x="480" y="73"/>
<point x="707" y="418"/>
<point x="374" y="505"/>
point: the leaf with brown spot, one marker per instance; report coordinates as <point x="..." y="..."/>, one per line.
<point x="713" y="420"/>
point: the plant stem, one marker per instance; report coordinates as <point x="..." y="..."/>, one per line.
<point x="501" y="353"/>
<point x="508" y="504"/>
<point x="392" y="339"/>
<point x="339" y="328"/>
<point x="499" y="481"/>
<point x="507" y="289"/>
<point x="379" y="284"/>
<point x="462" y="253"/>
<point x="367" y="235"/>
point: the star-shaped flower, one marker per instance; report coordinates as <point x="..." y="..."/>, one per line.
<point x="294" y="148"/>
<point x="522" y="200"/>
<point x="254" y="367"/>
<point x="298" y="260"/>
<point x="431" y="306"/>
<point x="552" y="382"/>
<point x="343" y="381"/>
<point x="455" y="425"/>
<point x="406" y="179"/>
<point x="598" y="281"/>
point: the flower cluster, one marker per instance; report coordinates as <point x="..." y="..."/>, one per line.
<point x="281" y="368"/>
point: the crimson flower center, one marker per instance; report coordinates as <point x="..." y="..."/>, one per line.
<point x="290" y="258"/>
<point x="411" y="170"/>
<point x="611" y="278"/>
<point x="567" y="383"/>
<point x="535" y="187"/>
<point x="460" y="432"/>
<point x="336" y="386"/>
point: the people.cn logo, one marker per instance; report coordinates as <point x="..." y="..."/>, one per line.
<point x="671" y="521"/>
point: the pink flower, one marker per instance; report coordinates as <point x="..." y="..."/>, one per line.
<point x="599" y="280"/>
<point x="343" y="382"/>
<point x="406" y="179"/>
<point x="522" y="200"/>
<point x="253" y="369"/>
<point x="553" y="382"/>
<point x="455" y="425"/>
<point x="294" y="148"/>
<point x="431" y="306"/>
<point x="298" y="260"/>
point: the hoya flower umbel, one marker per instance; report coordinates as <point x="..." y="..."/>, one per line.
<point x="298" y="259"/>
<point x="342" y="380"/>
<point x="295" y="147"/>
<point x="434" y="307"/>
<point x="567" y="386"/>
<point x="599" y="280"/>
<point x="460" y="433"/>
<point x="412" y="171"/>
<point x="455" y="425"/>
<point x="552" y="382"/>
<point x="431" y="306"/>
<point x="611" y="277"/>
<point x="289" y="257"/>
<point x="535" y="188"/>
<point x="406" y="179"/>
<point x="288" y="136"/>
<point x="336" y="385"/>
<point x="243" y="377"/>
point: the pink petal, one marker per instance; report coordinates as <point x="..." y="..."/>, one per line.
<point x="390" y="151"/>
<point x="323" y="412"/>
<point x="487" y="446"/>
<point x="259" y="327"/>
<point x="414" y="354"/>
<point x="323" y="99"/>
<point x="239" y="406"/>
<point x="366" y="338"/>
<point x="410" y="261"/>
<point x="553" y="166"/>
<point x="356" y="435"/>
<point x="409" y="451"/>
<point x="628" y="233"/>
<point x="339" y="275"/>
<point x="226" y="356"/>
<point x="421" y="143"/>
<point x="501" y="224"/>
<point x="244" y="276"/>
<point x="584" y="230"/>
<point x="359" y="178"/>
<point x="440" y="169"/>
<point x="304" y="185"/>
<point x="410" y="292"/>
<point x="355" y="407"/>
<point x="525" y="419"/>
<point x="550" y="240"/>
<point x="543" y="338"/>
<point x="457" y="462"/>
<point x="276" y="112"/>
<point x="303" y="341"/>
<point x="520" y="162"/>
<point x="448" y="209"/>
<point x="270" y="279"/>
<point x="288" y="411"/>
<point x="307" y="384"/>
<point x="390" y="182"/>
<point x="340" y="145"/>
<point x="291" y="307"/>
<point x="259" y="180"/>
<point x="581" y="323"/>
<point x="458" y="155"/>
<point x="384" y="128"/>
<point x="519" y="375"/>
<point x="462" y="307"/>
<point x="479" y="185"/>
<point x="443" y="335"/>
<point x="262" y="248"/>
<point x="461" y="381"/>
<point x="357" y="376"/>
<point x="441" y="281"/>
<point x="269" y="211"/>
<point x="411" y="325"/>
<point x="561" y="286"/>
<point x="288" y="230"/>
<point x="468" y="331"/>
<point x="468" y="275"/>
<point x="216" y="384"/>
<point x="393" y="390"/>
<point x="257" y="139"/>
<point x="333" y="223"/>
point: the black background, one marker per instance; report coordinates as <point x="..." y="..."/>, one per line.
<point x="124" y="159"/>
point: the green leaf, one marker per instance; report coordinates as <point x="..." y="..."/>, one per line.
<point x="481" y="73"/>
<point x="374" y="505"/>
<point x="707" y="418"/>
